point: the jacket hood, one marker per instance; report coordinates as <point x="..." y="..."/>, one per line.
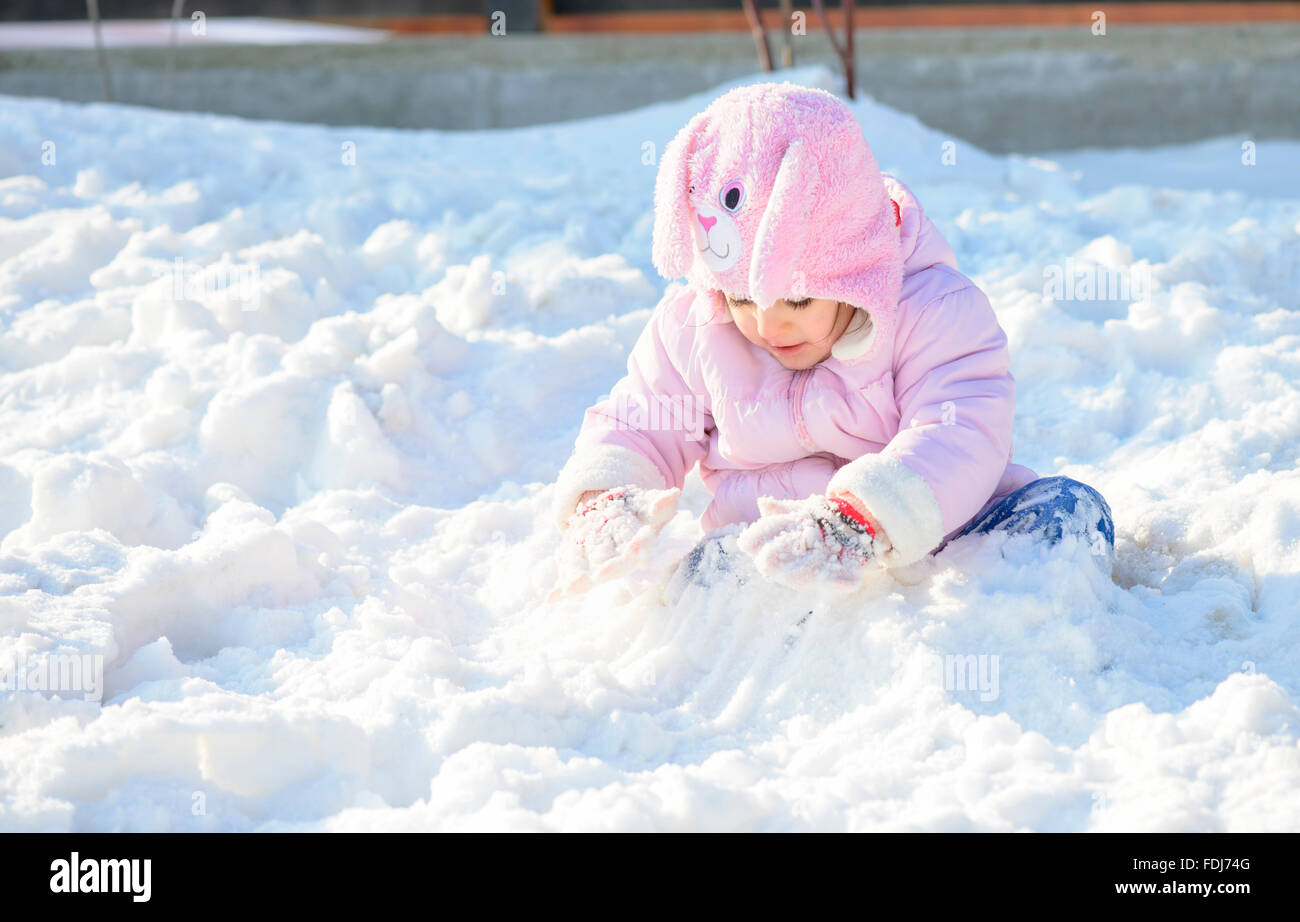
<point x="773" y="192"/>
<point x="921" y="247"/>
<point x="922" y="244"/>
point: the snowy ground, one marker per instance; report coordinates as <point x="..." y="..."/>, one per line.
<point x="143" y="33"/>
<point x="304" y="517"/>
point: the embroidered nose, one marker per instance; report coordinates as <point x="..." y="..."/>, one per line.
<point x="707" y="222"/>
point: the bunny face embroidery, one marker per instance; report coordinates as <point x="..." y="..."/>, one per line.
<point x="717" y="235"/>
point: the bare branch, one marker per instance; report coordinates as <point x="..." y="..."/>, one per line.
<point x="826" y="27"/>
<point x="178" y="7"/>
<point x="92" y="9"/>
<point x="760" y="34"/>
<point x="787" y="46"/>
<point x="845" y="51"/>
<point x="848" y="47"/>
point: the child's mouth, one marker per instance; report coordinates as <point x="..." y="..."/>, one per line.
<point x="787" y="350"/>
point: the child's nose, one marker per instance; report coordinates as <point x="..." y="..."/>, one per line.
<point x="707" y="222"/>
<point x="767" y="323"/>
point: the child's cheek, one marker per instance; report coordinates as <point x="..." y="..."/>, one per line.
<point x="824" y="326"/>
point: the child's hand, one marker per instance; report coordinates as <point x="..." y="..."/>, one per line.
<point x="798" y="542"/>
<point x="609" y="534"/>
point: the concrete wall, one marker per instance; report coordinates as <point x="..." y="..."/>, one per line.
<point x="1003" y="89"/>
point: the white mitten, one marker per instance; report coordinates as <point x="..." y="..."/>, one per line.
<point x="797" y="542"/>
<point x="610" y="535"/>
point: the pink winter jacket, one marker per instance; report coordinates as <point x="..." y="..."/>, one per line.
<point x="917" y="428"/>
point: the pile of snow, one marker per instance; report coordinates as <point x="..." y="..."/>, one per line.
<point x="280" y="410"/>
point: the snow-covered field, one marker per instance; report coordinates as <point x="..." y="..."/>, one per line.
<point x="302" y="510"/>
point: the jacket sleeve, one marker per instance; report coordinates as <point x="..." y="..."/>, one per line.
<point x="653" y="426"/>
<point x="736" y="496"/>
<point x="956" y="399"/>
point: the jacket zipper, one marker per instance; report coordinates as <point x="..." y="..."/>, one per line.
<point x="797" y="385"/>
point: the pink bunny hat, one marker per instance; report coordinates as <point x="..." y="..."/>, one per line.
<point x="772" y="192"/>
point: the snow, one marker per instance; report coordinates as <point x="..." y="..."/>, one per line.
<point x="295" y="488"/>
<point x="191" y="29"/>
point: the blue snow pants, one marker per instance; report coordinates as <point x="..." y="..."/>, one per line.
<point x="1050" y="507"/>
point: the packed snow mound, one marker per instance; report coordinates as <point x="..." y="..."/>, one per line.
<point x="281" y="407"/>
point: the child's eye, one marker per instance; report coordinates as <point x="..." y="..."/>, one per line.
<point x="745" y="302"/>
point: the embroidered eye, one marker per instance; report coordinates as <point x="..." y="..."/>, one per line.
<point x="732" y="195"/>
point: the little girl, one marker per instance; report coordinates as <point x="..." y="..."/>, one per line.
<point x="845" y="390"/>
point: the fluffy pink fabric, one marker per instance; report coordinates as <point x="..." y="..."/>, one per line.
<point x="772" y="192"/>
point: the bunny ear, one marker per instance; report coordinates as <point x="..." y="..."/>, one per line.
<point x="672" y="247"/>
<point x="783" y="230"/>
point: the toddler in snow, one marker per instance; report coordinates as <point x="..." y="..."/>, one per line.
<point x="844" y="390"/>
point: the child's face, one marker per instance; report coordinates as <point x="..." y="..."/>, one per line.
<point x="809" y="327"/>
